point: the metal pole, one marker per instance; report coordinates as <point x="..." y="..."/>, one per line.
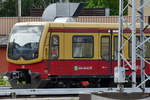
<point x="120" y="36"/>
<point x="142" y="47"/>
<point x="133" y="43"/>
<point x="19" y="10"/>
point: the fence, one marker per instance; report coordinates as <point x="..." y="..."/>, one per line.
<point x="6" y="23"/>
<point x="105" y="19"/>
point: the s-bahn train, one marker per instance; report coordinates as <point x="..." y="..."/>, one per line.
<point x="67" y="55"/>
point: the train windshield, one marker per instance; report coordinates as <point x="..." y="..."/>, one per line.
<point x="24" y="42"/>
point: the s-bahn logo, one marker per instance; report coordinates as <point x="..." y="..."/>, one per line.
<point x="76" y="68"/>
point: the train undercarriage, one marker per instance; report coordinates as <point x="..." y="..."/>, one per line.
<point x="24" y="79"/>
<point x="59" y="83"/>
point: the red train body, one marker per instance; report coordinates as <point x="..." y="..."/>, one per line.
<point x="68" y="55"/>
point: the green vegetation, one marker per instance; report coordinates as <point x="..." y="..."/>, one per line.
<point x="3" y="82"/>
<point x="9" y="7"/>
<point x="112" y="4"/>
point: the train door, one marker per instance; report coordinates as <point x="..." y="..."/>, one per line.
<point x="114" y="51"/>
<point x="109" y="51"/>
<point x="106" y="53"/>
<point x="55" y="52"/>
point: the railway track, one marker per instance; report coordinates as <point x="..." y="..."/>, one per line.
<point x="7" y="92"/>
<point x="13" y="93"/>
<point x="5" y="87"/>
<point x="57" y="91"/>
<point x="42" y="97"/>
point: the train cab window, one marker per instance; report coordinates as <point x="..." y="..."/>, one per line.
<point x="82" y="46"/>
<point x="54" y="52"/>
<point x="115" y="48"/>
<point x="105" y="47"/>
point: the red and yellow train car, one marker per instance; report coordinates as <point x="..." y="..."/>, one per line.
<point x="47" y="54"/>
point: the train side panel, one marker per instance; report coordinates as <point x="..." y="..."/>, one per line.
<point x="66" y="64"/>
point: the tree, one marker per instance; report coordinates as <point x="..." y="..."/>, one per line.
<point x="79" y="1"/>
<point x="112" y="4"/>
<point x="26" y="5"/>
<point x="10" y="7"/>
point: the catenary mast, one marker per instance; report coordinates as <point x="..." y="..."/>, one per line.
<point x="137" y="14"/>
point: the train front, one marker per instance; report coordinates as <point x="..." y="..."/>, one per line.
<point x="24" y="56"/>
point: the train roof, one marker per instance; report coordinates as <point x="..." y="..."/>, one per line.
<point x="30" y="23"/>
<point x="78" y="25"/>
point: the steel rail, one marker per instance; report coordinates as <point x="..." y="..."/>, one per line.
<point x="67" y="91"/>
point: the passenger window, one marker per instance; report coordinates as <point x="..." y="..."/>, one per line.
<point x="54" y="51"/>
<point x="82" y="46"/>
<point x="115" y="48"/>
<point x="147" y="49"/>
<point x="130" y="46"/>
<point x="105" y="48"/>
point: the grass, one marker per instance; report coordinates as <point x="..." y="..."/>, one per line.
<point x="4" y="82"/>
